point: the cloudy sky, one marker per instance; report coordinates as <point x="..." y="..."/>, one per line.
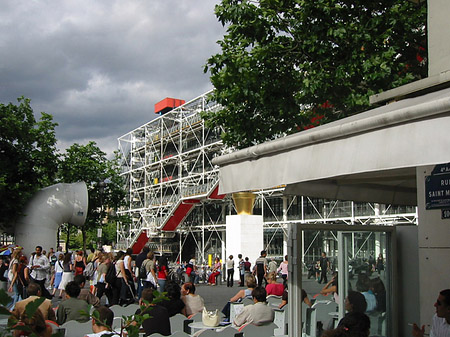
<point x="99" y="66"/>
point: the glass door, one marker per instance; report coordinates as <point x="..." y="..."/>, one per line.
<point x="340" y="260"/>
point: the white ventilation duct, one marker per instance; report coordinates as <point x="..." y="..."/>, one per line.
<point x="47" y="210"/>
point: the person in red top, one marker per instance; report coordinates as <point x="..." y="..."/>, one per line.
<point x="272" y="287"/>
<point x="162" y="273"/>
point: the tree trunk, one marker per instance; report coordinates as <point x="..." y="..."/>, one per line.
<point x="68" y="238"/>
<point x="83" y="233"/>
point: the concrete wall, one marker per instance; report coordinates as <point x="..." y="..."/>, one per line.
<point x="438" y="34"/>
<point x="434" y="250"/>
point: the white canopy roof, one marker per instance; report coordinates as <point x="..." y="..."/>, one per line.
<point x="371" y="156"/>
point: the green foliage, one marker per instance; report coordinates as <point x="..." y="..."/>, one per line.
<point x="28" y="156"/>
<point x="287" y="65"/>
<point x="131" y="324"/>
<point x="102" y="176"/>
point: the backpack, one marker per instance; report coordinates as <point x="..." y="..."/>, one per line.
<point x="89" y="271"/>
<point x="111" y="275"/>
<point x="53" y="259"/>
<point x="143" y="271"/>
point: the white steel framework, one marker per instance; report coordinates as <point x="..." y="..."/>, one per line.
<point x="167" y="164"/>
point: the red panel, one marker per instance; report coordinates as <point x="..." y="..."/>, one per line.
<point x="215" y="194"/>
<point x="140" y="242"/>
<point x="168" y="104"/>
<point x="178" y="216"/>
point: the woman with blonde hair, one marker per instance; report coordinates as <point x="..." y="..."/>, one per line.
<point x="13" y="276"/>
<point x="59" y="270"/>
<point x="273" y="287"/>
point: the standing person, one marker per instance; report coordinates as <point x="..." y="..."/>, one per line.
<point x="138" y="262"/>
<point x="440" y="327"/>
<point x="59" y="252"/>
<point x="59" y="270"/>
<point x="260" y="268"/>
<point x="39" y="266"/>
<point x="149" y="264"/>
<point x="80" y="263"/>
<point x="230" y="271"/>
<point x="324" y="265"/>
<point x="67" y="275"/>
<point x="13" y="277"/>
<point x="23" y="276"/>
<point x="129" y="270"/>
<point x="272" y="268"/>
<point x="241" y="268"/>
<point x="101" y="285"/>
<point x="163" y="270"/>
<point x="247" y="267"/>
<point x="116" y="284"/>
<point x="380" y="263"/>
<point x="284" y="270"/>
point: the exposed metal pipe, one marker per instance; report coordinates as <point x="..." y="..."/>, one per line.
<point x="49" y="208"/>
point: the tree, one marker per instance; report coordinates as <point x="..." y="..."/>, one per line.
<point x="287" y="65"/>
<point x="102" y="176"/>
<point x="28" y="157"/>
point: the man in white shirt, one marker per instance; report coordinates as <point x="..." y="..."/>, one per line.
<point x="257" y="314"/>
<point x="441" y="320"/>
<point x="39" y="266"/>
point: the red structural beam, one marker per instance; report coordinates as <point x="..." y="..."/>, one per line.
<point x="168" y="104"/>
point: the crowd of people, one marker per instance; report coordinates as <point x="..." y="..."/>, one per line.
<point x="112" y="276"/>
<point x="115" y="276"/>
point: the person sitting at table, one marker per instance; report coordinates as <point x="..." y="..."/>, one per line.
<point x="102" y="325"/>
<point x="284" y="298"/>
<point x="250" y="281"/>
<point x="215" y="272"/>
<point x="35" y="325"/>
<point x="257" y="314"/>
<point x="34" y="292"/>
<point x="193" y="303"/>
<point x="272" y="287"/>
<point x="71" y="308"/>
<point x="159" y="321"/>
<point x="173" y="304"/>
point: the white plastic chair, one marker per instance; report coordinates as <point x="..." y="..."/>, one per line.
<point x="273" y="300"/>
<point x="177" y="322"/>
<point x="251" y="330"/>
<point x="77" y="329"/>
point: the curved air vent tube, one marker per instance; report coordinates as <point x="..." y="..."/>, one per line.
<point x="47" y="210"/>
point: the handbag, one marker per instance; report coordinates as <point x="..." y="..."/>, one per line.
<point x="210" y="318"/>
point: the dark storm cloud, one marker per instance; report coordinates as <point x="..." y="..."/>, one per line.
<point x="100" y="66"/>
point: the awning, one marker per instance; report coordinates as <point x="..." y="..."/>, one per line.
<point x="371" y="156"/>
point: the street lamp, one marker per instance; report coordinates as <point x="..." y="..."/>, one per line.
<point x="101" y="189"/>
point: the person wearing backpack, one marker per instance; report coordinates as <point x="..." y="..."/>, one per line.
<point x="138" y="263"/>
<point x="148" y="267"/>
<point x="105" y="261"/>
